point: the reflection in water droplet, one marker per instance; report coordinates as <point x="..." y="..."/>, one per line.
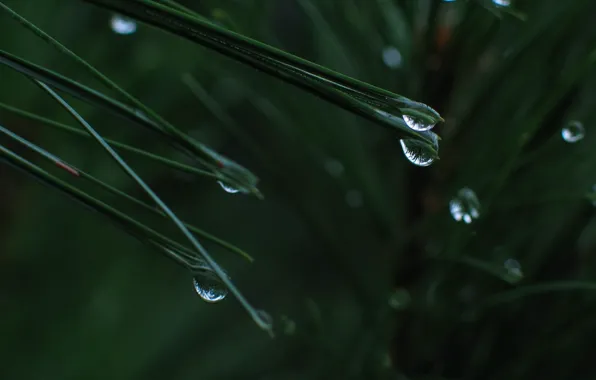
<point x="514" y="271"/>
<point x="123" y="25"/>
<point x="418" y="152"/>
<point x="354" y="198"/>
<point x="502" y="3"/>
<point x="209" y="287"/>
<point x="227" y="188"/>
<point x="573" y="131"/>
<point x="465" y="206"/>
<point x="392" y="57"/>
<point x="417" y="125"/>
<point x="399" y="299"/>
<point x="334" y="167"/>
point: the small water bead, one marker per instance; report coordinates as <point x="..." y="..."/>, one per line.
<point x="123" y="25"/>
<point x="416" y="124"/>
<point x="227" y="188"/>
<point x="264" y="321"/>
<point x="465" y="206"/>
<point x="392" y="57"/>
<point x="502" y="3"/>
<point x="418" y="152"/>
<point x="514" y="270"/>
<point x="209" y="288"/>
<point x="573" y="131"/>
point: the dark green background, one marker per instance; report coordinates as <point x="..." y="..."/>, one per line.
<point x="81" y="299"/>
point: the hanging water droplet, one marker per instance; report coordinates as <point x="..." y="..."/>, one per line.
<point x="209" y="287"/>
<point x="264" y="321"/>
<point x="514" y="271"/>
<point x="228" y="188"/>
<point x="465" y="206"/>
<point x="123" y="25"/>
<point x="418" y="152"/>
<point x="392" y="57"/>
<point x="399" y="299"/>
<point x="417" y="124"/>
<point x="232" y="170"/>
<point x="573" y="131"/>
<point x="334" y="167"/>
<point x="502" y="3"/>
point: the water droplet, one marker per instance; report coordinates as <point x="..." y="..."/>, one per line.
<point x="228" y="188"/>
<point x="209" y="287"/>
<point x="416" y="124"/>
<point x="234" y="171"/>
<point x="334" y="167"/>
<point x="573" y="131"/>
<point x="502" y="3"/>
<point x="392" y="57"/>
<point x="264" y="320"/>
<point x="418" y="152"/>
<point x="123" y="25"/>
<point x="399" y="299"/>
<point x="514" y="271"/>
<point x="465" y="206"/>
<point x="289" y="325"/>
<point x="354" y="198"/>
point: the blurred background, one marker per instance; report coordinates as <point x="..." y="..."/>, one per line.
<point x="477" y="267"/>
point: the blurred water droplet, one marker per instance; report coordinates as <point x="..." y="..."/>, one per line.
<point x="416" y="124"/>
<point x="573" y="131"/>
<point x="123" y="25"/>
<point x="392" y="57"/>
<point x="289" y="326"/>
<point x="514" y="270"/>
<point x="418" y="152"/>
<point x="465" y="206"/>
<point x="228" y="188"/>
<point x="354" y="198"/>
<point x="209" y="288"/>
<point x="593" y="195"/>
<point x="264" y="320"/>
<point x="399" y="299"/>
<point x="502" y="3"/>
<point x="334" y="167"/>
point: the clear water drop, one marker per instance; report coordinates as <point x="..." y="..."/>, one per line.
<point x="502" y="3"/>
<point x="416" y="124"/>
<point x="227" y="188"/>
<point x="573" y="131"/>
<point x="209" y="288"/>
<point x="392" y="57"/>
<point x="465" y="206"/>
<point x="399" y="299"/>
<point x="123" y="25"/>
<point x="418" y="152"/>
<point x="514" y="270"/>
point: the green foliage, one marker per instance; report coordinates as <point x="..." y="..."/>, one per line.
<point x="357" y="258"/>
